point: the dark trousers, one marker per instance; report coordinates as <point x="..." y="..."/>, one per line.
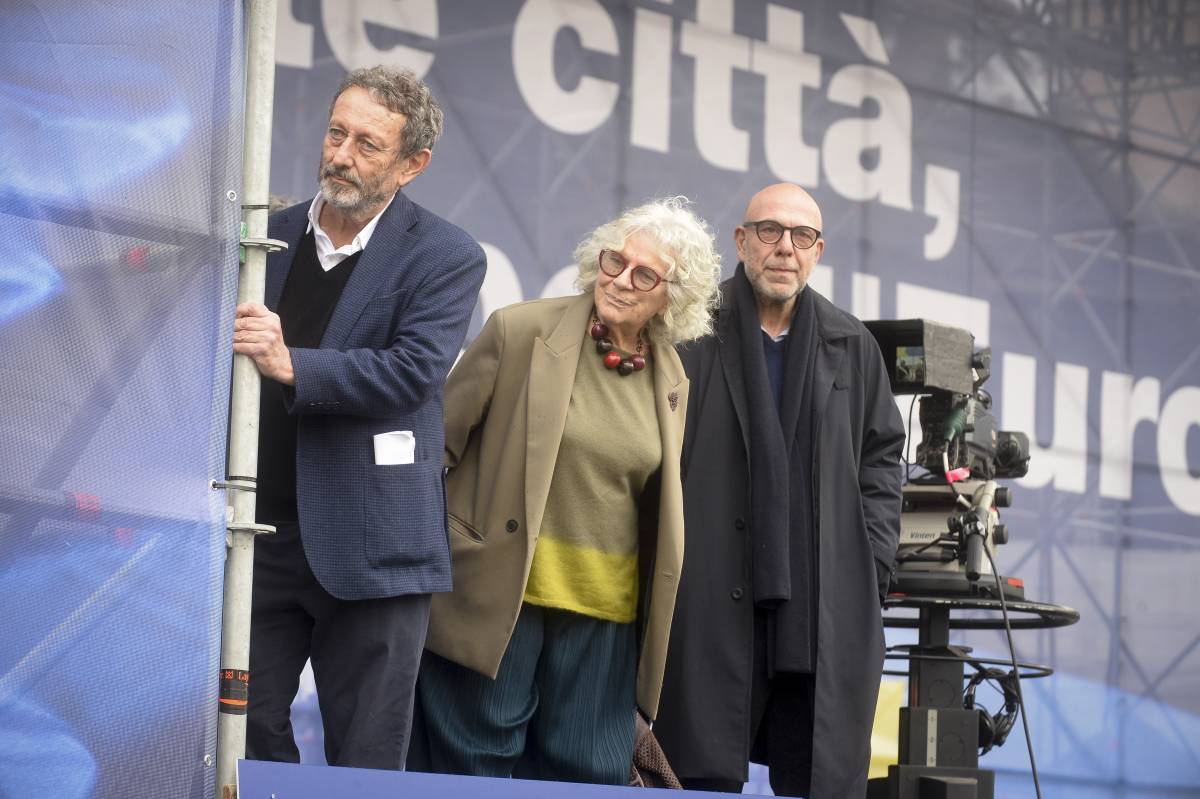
<point x="781" y="727"/>
<point x="365" y="654"/>
<point x="561" y="707"/>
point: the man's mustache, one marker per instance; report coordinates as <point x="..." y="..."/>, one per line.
<point x="343" y="174"/>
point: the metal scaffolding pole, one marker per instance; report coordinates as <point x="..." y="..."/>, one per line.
<point x="243" y="414"/>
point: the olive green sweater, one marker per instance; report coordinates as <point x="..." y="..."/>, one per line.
<point x="586" y="559"/>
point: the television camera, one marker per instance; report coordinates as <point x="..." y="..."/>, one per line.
<point x="949" y="527"/>
<point x="950" y="523"/>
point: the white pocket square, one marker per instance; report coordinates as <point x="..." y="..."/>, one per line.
<point x="396" y="447"/>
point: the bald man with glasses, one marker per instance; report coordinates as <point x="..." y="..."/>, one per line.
<point x="791" y="471"/>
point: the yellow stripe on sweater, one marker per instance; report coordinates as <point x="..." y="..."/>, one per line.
<point x="601" y="585"/>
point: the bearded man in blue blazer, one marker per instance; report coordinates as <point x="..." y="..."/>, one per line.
<point x="365" y="313"/>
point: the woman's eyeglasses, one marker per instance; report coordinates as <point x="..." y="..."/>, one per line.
<point x="643" y="278"/>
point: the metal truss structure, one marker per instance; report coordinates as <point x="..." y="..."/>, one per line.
<point x="1113" y="88"/>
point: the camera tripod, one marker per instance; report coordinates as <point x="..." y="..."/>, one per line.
<point x="939" y="738"/>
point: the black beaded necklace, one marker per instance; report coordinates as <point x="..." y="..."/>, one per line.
<point x="612" y="358"/>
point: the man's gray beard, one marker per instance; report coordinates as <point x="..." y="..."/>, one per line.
<point x="353" y="201"/>
<point x="770" y="294"/>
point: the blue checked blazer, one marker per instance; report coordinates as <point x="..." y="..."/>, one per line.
<point x="374" y="531"/>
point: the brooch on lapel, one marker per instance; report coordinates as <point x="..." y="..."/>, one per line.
<point x="673" y="398"/>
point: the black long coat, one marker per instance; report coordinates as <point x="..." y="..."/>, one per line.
<point x="704" y="715"/>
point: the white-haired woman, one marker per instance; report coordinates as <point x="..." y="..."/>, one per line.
<point x="564" y="424"/>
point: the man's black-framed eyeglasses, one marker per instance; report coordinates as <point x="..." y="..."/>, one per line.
<point x="643" y="278"/>
<point x="770" y="232"/>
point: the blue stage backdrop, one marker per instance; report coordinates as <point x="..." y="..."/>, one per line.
<point x="122" y="130"/>
<point x="1025" y="169"/>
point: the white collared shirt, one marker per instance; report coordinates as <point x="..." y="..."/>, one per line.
<point x="327" y="255"/>
<point x="781" y="336"/>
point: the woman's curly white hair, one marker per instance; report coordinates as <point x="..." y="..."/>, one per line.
<point x="685" y="245"/>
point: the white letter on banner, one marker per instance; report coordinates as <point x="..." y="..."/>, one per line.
<point x="650" y="117"/>
<point x="501" y="286"/>
<point x="1065" y="461"/>
<point x="346" y="29"/>
<point x="865" y="34"/>
<point x="960" y="310"/>
<point x="562" y="282"/>
<point x="293" y="38"/>
<point x="821" y="280"/>
<point x="710" y="40"/>
<point x="848" y="140"/>
<point x="1123" y="405"/>
<point x="941" y="202"/>
<point x="537" y="25"/>
<point x="1179" y="413"/>
<point x="864" y="295"/>
<point x="787" y="69"/>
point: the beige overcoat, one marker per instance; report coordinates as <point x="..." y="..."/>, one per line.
<point x="506" y="407"/>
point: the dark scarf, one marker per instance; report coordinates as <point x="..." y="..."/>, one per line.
<point x="783" y="558"/>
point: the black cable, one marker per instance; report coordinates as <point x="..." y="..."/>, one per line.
<point x="944" y="539"/>
<point x="1012" y="651"/>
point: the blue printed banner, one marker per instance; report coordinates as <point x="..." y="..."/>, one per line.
<point x="1025" y="170"/>
<point x="122" y="124"/>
